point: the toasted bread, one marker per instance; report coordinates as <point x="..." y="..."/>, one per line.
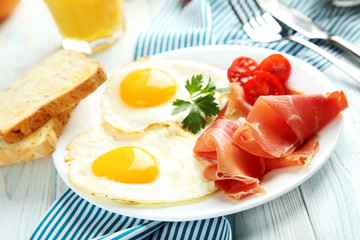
<point x="39" y="144"/>
<point x="51" y="87"/>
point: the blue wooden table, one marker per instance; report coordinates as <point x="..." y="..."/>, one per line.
<point x="327" y="206"/>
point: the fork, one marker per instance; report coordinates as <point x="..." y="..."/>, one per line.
<point x="260" y="26"/>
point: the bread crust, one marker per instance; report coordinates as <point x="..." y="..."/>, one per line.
<point x="39" y="144"/>
<point x="53" y="108"/>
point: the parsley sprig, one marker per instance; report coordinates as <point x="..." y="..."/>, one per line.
<point x="202" y="103"/>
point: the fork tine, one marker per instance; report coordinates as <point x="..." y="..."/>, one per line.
<point x="272" y="22"/>
<point x="253" y="16"/>
<point x="256" y="13"/>
<point x="264" y="19"/>
<point x="257" y="24"/>
<point x="244" y="17"/>
<point x="267" y="18"/>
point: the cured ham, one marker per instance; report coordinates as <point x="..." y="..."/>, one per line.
<point x="237" y="100"/>
<point x="235" y="171"/>
<point x="276" y="125"/>
<point x="302" y="156"/>
<point x="278" y="131"/>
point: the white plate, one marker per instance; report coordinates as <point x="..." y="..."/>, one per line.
<point x="276" y="183"/>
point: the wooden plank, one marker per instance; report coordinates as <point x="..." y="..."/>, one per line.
<point x="333" y="210"/>
<point x="332" y="196"/>
<point x="283" y="218"/>
<point x="26" y="194"/>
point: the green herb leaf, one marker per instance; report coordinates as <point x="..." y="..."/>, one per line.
<point x="181" y="106"/>
<point x="210" y="87"/>
<point x="194" y="121"/>
<point x="194" y="85"/>
<point x="202" y="103"/>
<point x="208" y="105"/>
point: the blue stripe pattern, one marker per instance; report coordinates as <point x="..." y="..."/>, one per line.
<point x="71" y="217"/>
<point x="205" y="22"/>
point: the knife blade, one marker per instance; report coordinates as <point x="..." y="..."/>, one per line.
<point x="304" y="25"/>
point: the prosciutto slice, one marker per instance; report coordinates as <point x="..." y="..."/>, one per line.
<point x="278" y="131"/>
<point x="302" y="156"/>
<point x="276" y="125"/>
<point x="237" y="100"/>
<point x="235" y="171"/>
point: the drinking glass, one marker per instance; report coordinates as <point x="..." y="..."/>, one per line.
<point x="88" y="25"/>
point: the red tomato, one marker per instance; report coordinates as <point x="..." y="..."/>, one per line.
<point x="242" y="69"/>
<point x="278" y="65"/>
<point x="263" y="83"/>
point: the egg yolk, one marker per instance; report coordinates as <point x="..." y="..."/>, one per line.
<point x="127" y="165"/>
<point x="147" y="88"/>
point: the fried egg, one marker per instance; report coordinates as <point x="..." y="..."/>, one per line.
<point x="152" y="167"/>
<point x="141" y="93"/>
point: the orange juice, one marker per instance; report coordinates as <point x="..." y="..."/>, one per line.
<point x="87" y="20"/>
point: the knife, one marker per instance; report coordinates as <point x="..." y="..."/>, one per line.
<point x="304" y="25"/>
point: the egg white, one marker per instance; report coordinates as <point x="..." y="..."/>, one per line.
<point x="180" y="173"/>
<point x="129" y="119"/>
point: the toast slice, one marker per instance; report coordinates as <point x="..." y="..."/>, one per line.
<point x="53" y="86"/>
<point x="39" y="144"/>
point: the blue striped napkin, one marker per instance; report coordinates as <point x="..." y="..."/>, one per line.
<point x="71" y="217"/>
<point x="200" y="22"/>
<point x="205" y="22"/>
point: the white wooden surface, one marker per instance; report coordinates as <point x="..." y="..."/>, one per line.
<point x="327" y="206"/>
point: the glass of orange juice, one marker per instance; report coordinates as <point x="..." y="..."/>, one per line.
<point x="88" y="25"/>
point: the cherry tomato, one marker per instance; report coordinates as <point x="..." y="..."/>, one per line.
<point x="278" y="65"/>
<point x="263" y="83"/>
<point x="242" y="69"/>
